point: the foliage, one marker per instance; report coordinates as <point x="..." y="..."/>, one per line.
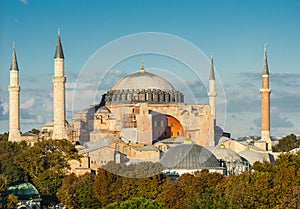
<point x="186" y="190"/>
<point x="3" y="182"/>
<point x="47" y="163"/>
<point x="4" y="136"/>
<point x="12" y="201"/>
<point x="266" y="186"/>
<point x="8" y="168"/>
<point x="287" y="143"/>
<point x="110" y="187"/>
<point x="140" y="170"/>
<point x="44" y="164"/>
<point x="78" y="192"/>
<point x="136" y="202"/>
<point x="34" y="131"/>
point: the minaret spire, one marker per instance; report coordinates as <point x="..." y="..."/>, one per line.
<point x="265" y="68"/>
<point x="212" y="70"/>
<point x="59" y="51"/>
<point x="265" y="92"/>
<point x="14" y="63"/>
<point x="14" y="99"/>
<point x="212" y="101"/>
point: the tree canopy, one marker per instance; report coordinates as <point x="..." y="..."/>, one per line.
<point x="136" y="202"/>
<point x="287" y="143"/>
<point x="44" y="164"/>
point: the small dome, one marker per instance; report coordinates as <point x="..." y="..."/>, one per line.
<point x="225" y="154"/>
<point x="24" y="190"/>
<point x="189" y="156"/>
<point x="251" y="156"/>
<point x="143" y="80"/>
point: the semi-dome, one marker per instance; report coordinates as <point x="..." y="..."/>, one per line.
<point x="251" y="156"/>
<point x="225" y="154"/>
<point x="189" y="156"/>
<point x="143" y="80"/>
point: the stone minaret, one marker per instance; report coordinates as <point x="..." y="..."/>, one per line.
<point x="212" y="99"/>
<point x="14" y="100"/>
<point x="265" y="92"/>
<point x="212" y="92"/>
<point x="59" y="80"/>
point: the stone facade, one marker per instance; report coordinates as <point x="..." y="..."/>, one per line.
<point x="164" y="121"/>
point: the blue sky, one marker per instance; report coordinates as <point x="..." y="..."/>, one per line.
<point x="234" y="31"/>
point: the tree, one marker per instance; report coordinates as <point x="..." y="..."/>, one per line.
<point x="34" y="131"/>
<point x="107" y="186"/>
<point x="8" y="168"/>
<point x="136" y="202"/>
<point x="186" y="191"/>
<point x="110" y="187"/>
<point x="287" y="143"/>
<point x="47" y="164"/>
<point x="12" y="200"/>
<point x="140" y="170"/>
<point x="78" y="192"/>
<point x="4" y="136"/>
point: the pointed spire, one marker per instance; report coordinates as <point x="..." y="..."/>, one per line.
<point x="143" y="67"/>
<point x="265" y="69"/>
<point x="14" y="62"/>
<point x="59" y="51"/>
<point x="212" y="70"/>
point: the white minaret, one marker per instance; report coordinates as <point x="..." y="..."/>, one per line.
<point x="59" y="99"/>
<point x="265" y="92"/>
<point x="212" y="99"/>
<point x="212" y="91"/>
<point x="14" y="100"/>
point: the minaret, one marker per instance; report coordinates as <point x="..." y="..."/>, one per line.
<point x="212" y="99"/>
<point x="14" y="100"/>
<point x="59" y="99"/>
<point x="265" y="92"/>
<point x="212" y="92"/>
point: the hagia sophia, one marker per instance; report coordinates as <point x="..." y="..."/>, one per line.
<point x="143" y="118"/>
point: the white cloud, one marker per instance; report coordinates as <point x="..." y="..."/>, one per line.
<point x="25" y="2"/>
<point x="278" y="120"/>
<point x="28" y="104"/>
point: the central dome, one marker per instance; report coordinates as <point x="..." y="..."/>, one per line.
<point x="143" y="87"/>
<point x="143" y="80"/>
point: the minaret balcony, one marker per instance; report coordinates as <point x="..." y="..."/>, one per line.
<point x="14" y="88"/>
<point x="212" y="94"/>
<point x="265" y="90"/>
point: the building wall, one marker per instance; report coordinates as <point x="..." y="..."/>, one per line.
<point x="192" y="120"/>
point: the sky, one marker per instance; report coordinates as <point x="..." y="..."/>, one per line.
<point x="105" y="40"/>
